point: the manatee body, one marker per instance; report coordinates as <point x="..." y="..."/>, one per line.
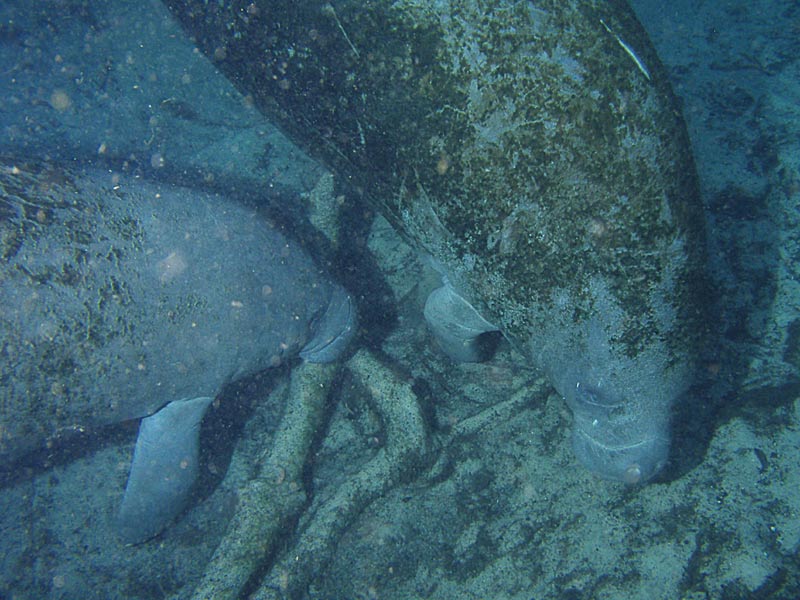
<point x="535" y="152"/>
<point x="123" y="299"/>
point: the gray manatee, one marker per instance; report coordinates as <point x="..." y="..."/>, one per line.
<point x="534" y="150"/>
<point x="123" y="299"/>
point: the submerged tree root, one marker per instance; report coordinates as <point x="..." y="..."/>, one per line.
<point x="272" y="501"/>
<point x="406" y="449"/>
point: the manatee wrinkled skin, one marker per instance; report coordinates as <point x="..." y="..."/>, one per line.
<point x="534" y="150"/>
<point x="121" y="296"/>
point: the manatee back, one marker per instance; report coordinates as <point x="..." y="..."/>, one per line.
<point x="534" y="149"/>
<point x="120" y="295"/>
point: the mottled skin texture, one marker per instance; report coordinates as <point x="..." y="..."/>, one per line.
<point x="118" y="296"/>
<point x="522" y="146"/>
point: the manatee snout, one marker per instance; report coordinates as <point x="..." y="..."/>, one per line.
<point x="631" y="462"/>
<point x="616" y="437"/>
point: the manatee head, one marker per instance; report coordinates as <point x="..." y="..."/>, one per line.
<point x="621" y="396"/>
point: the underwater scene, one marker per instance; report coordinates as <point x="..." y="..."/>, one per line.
<point x="400" y="300"/>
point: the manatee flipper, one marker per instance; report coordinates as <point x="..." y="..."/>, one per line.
<point x="164" y="469"/>
<point x="458" y="327"/>
<point x="334" y="329"/>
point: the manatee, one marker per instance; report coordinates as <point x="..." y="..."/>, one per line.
<point x="125" y="299"/>
<point x="535" y="151"/>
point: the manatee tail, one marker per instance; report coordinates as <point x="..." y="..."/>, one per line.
<point x="164" y="469"/>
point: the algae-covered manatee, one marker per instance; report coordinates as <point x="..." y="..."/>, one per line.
<point x="535" y="151"/>
<point x="123" y="298"/>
